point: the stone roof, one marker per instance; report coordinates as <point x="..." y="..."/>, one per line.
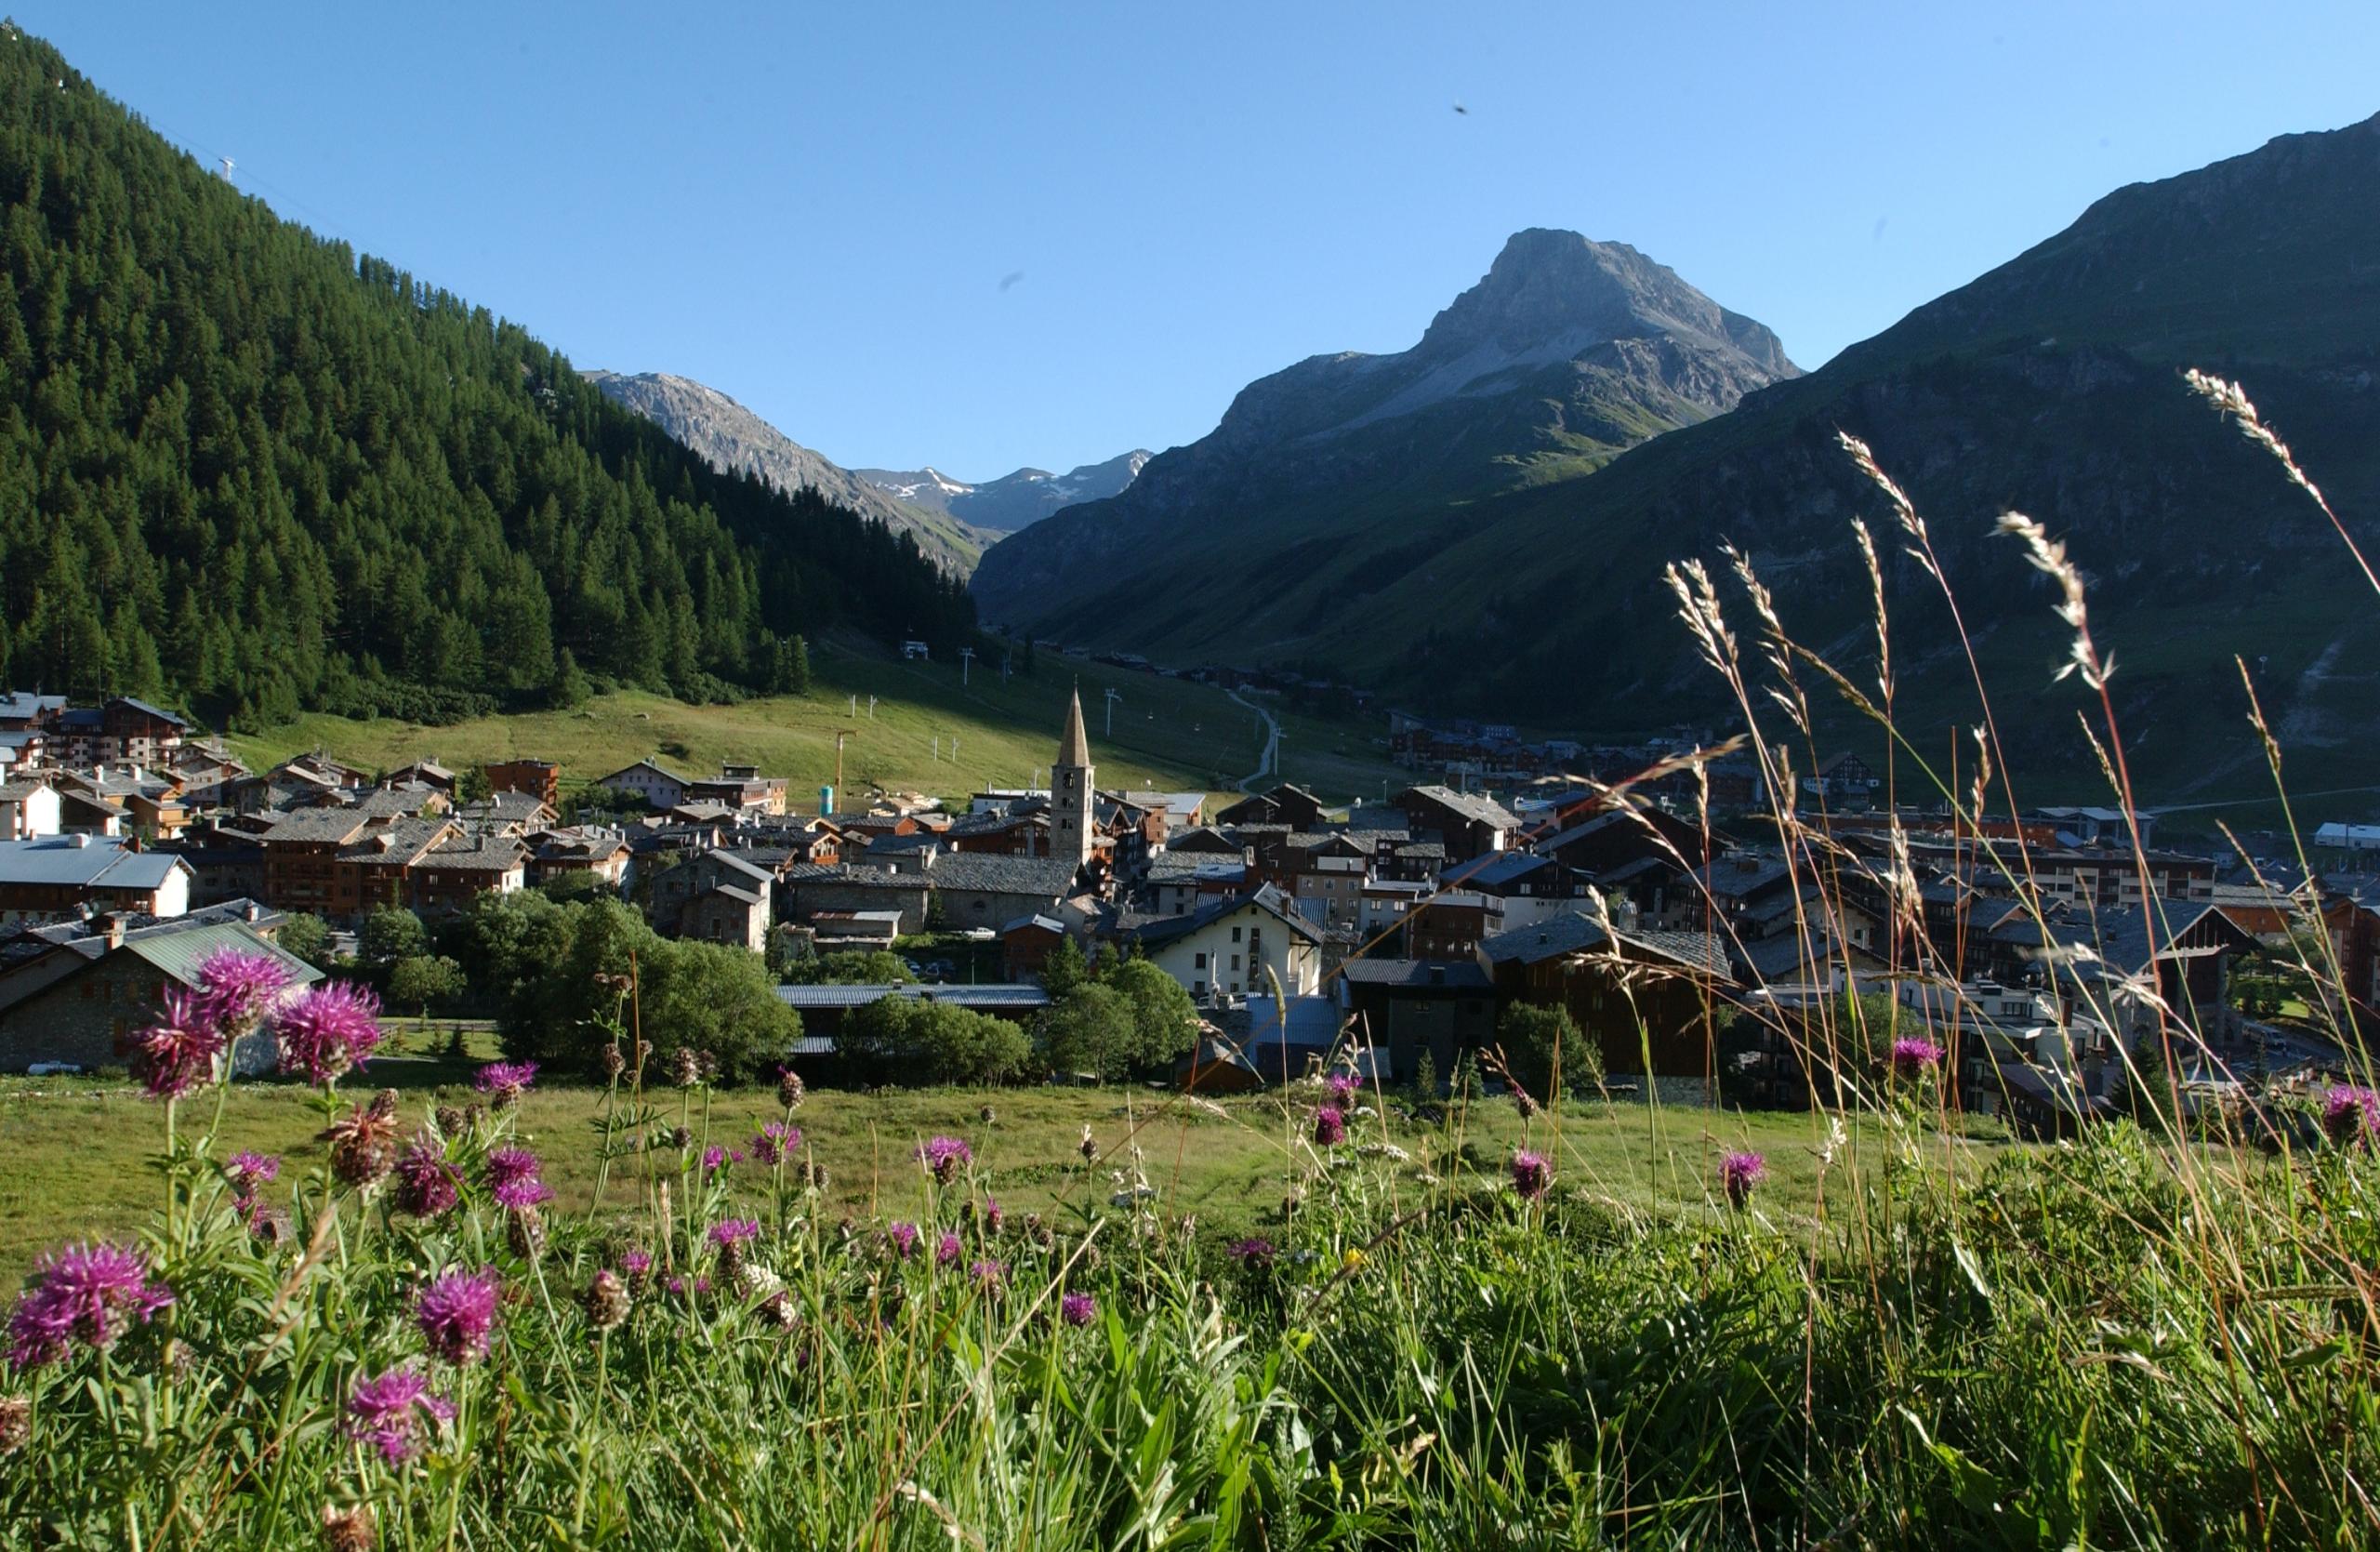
<point x="1074" y="748"/>
<point x="1575" y="932"/>
<point x="983" y="873"/>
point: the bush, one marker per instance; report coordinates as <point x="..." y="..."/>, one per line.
<point x="420" y="979"/>
<point x="1089" y="1030"/>
<point x="848" y="968"/>
<point x="1545" y="1052"/>
<point x="914" y="1041"/>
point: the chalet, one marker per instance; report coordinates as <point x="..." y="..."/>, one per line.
<point x="658" y="788"/>
<point x="1614" y="838"/>
<point x="227" y="862"/>
<point x="1630" y="991"/>
<point x="424" y="772"/>
<point x="29" y="809"/>
<point x="1451" y="925"/>
<point x="716" y="896"/>
<point x="65" y="875"/>
<point x="509" y="811"/>
<point x="1327" y="878"/>
<point x="1284" y="804"/>
<point x="459" y="870"/>
<point x="854" y="932"/>
<point x="1180" y="882"/>
<point x="741" y="789"/>
<point x="1233" y="948"/>
<point x="540" y="779"/>
<point x="2140" y="971"/>
<point x="1406" y="1007"/>
<point x="21" y="711"/>
<point x="1026" y="944"/>
<point x="1843" y="780"/>
<point x="555" y="853"/>
<point x="1382" y="908"/>
<point x="1290" y="1038"/>
<point x="975" y="891"/>
<point x="1467" y="824"/>
<point x="1526" y="887"/>
<point x="73" y="994"/>
<point x="809" y="887"/>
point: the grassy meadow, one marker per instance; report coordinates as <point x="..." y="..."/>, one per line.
<point x="1169" y="732"/>
<point x="85" y="1150"/>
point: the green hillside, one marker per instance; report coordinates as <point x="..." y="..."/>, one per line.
<point x="248" y="470"/>
<point x="1168" y="733"/>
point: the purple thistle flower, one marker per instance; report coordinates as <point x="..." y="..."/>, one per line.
<point x="1531" y="1174"/>
<point x="714" y="1159"/>
<point x="505" y="1083"/>
<point x="518" y="1196"/>
<point x="992" y="1217"/>
<point x="1738" y="1172"/>
<point x="456" y="1313"/>
<point x="509" y="1166"/>
<point x="240" y="988"/>
<point x="1255" y="1252"/>
<point x="428" y="1186"/>
<point x="1342" y="1086"/>
<point x="948" y="1249"/>
<point x="1330" y="1126"/>
<point x="393" y="1412"/>
<point x="735" y="1231"/>
<point x="90" y="1294"/>
<point x="176" y="1054"/>
<point x="1078" y="1309"/>
<point x="988" y="1274"/>
<point x="1915" y="1055"/>
<point x="904" y="1239"/>
<point x="944" y="1157"/>
<point x="249" y="1170"/>
<point x="327" y="1029"/>
<point x="774" y="1141"/>
<point x="2348" y="1112"/>
<point x="637" y="1267"/>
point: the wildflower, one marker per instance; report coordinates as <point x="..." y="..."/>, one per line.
<point x="512" y="1178"/>
<point x="1255" y="1252"/>
<point x="681" y="1138"/>
<point x="1738" y="1172"/>
<point x="363" y="1142"/>
<point x="606" y="1300"/>
<point x="1531" y="1174"/>
<point x="614" y="1063"/>
<point x="249" y="1170"/>
<point x="735" y="1232"/>
<point x="943" y="1156"/>
<point x="2348" y="1113"/>
<point x="1523" y="1101"/>
<point x="348" y="1530"/>
<point x="988" y="1274"/>
<point x="176" y="1054"/>
<point x="903" y="1238"/>
<point x="1389" y="1151"/>
<point x="1330" y="1126"/>
<point x="524" y="1229"/>
<point x="16" y="1422"/>
<point x="991" y="1218"/>
<point x="1342" y="1086"/>
<point x="988" y="1116"/>
<point x="814" y="1177"/>
<point x="456" y="1313"/>
<point x="1915" y="1055"/>
<point x="327" y="1029"/>
<point x="87" y="1293"/>
<point x="1089" y="1147"/>
<point x="774" y="1141"/>
<point x="393" y="1412"/>
<point x="270" y="1226"/>
<point x="1353" y="1260"/>
<point x="637" y="1266"/>
<point x="450" y="1119"/>
<point x="948" y="1249"/>
<point x="714" y="1159"/>
<point x="428" y="1186"/>
<point x="240" y="988"/>
<point x="789" y="1089"/>
<point x="685" y="1067"/>
<point x="505" y="1083"/>
<point x="1078" y="1309"/>
<point x="1040" y="1233"/>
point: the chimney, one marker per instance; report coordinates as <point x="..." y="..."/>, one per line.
<point x="110" y="926"/>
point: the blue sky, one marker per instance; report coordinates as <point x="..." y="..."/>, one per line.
<point x="813" y="209"/>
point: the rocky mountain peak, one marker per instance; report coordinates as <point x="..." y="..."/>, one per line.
<point x="1550" y="288"/>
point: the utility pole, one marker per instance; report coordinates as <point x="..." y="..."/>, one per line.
<point x="966" y="663"/>
<point x="855" y="707"/>
<point x="1112" y="699"/>
<point x="871" y="708"/>
<point x="840" y="736"/>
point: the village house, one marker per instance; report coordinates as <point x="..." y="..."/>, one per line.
<point x="645" y="779"/>
<point x="67" y="875"/>
<point x="509" y="811"/>
<point x="1233" y="947"/>
<point x="1526" y="887"/>
<point x="75" y="993"/>
<point x="424" y="772"/>
<point x="29" y="809"/>
<point x="1404" y="1007"/>
<point x="1629" y="991"/>
<point x="1027" y="945"/>
<point x="555" y="853"/>
<point x="458" y="870"/>
<point x="1468" y="824"/>
<point x="716" y="896"/>
<point x="1285" y="804"/>
<point x="1451" y="925"/>
<point x="741" y="789"/>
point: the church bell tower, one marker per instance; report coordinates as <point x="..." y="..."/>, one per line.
<point x="1070" y="792"/>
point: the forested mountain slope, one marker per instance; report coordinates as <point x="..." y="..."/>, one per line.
<point x="244" y="468"/>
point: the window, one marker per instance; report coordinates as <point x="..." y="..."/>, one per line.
<point x="1198" y="961"/>
<point x="1235" y="962"/>
<point x="1197" y="988"/>
<point x="1235" y="935"/>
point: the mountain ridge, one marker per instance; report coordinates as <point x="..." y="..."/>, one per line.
<point x="1015" y="500"/>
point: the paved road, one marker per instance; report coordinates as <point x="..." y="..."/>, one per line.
<point x="1266" y="762"/>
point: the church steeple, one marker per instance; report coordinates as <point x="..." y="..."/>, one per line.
<point x="1070" y="790"/>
